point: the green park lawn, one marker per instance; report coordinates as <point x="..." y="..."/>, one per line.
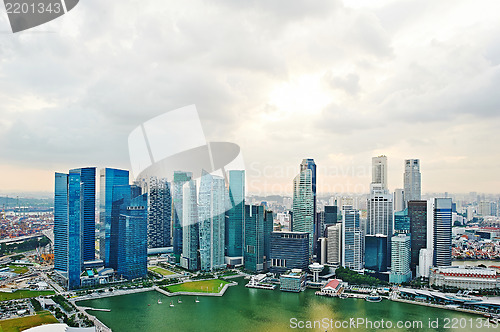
<point x="204" y="286"/>
<point x="24" y="323"/>
<point x="22" y="294"/>
<point x="18" y="269"/>
<point x="160" y="270"/>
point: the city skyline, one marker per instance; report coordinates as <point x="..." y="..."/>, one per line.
<point x="339" y="82"/>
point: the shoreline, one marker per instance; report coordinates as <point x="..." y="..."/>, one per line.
<point x="440" y="306"/>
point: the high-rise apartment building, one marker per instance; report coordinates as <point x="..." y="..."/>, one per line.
<point x="352" y="247"/>
<point x="236" y="214"/>
<point x="412" y="180"/>
<point x="190" y="228"/>
<point x="303" y="206"/>
<point x="311" y="165"/>
<point x="159" y="213"/>
<point x="180" y="178"/>
<point x="211" y="212"/>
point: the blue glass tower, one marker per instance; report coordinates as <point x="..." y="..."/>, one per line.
<point x="74" y="222"/>
<point x="401" y="222"/>
<point x="268" y="229"/>
<point x="113" y="187"/>
<point x="159" y="213"/>
<point x="289" y="250"/>
<point x="254" y="238"/>
<point x="376" y="253"/>
<point x="442" y="231"/>
<point x="190" y="230"/>
<point x="235" y="215"/>
<point x="132" y="239"/>
<point x="178" y="182"/>
<point x="352" y="248"/>
<point x="310" y="164"/>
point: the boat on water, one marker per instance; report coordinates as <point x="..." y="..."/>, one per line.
<point x="373" y="297"/>
<point x="171" y="304"/>
<point x="196" y="300"/>
<point x="159" y="301"/>
<point x="343" y="296"/>
<point x="149" y="304"/>
<point x="179" y="301"/>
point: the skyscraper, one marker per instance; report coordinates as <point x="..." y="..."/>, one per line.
<point x="211" y="211"/>
<point x="303" y="206"/>
<point x="235" y="215"/>
<point x="159" y="213"/>
<point x="113" y="186"/>
<point x="442" y="232"/>
<point x="412" y="180"/>
<point x="268" y="229"/>
<point x="311" y="165"/>
<point x="330" y="217"/>
<point x="417" y="212"/>
<point x="289" y="250"/>
<point x="376" y="253"/>
<point x="400" y="268"/>
<point x="379" y="171"/>
<point x="74" y="223"/>
<point x="177" y="209"/>
<point x="380" y="213"/>
<point x="132" y="238"/>
<point x="399" y="200"/>
<point x="190" y="228"/>
<point x="401" y="221"/>
<point x="351" y="239"/>
<point x="254" y="238"/>
<point x="334" y="245"/>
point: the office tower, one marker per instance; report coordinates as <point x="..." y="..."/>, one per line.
<point x="289" y="250"/>
<point x="74" y="223"/>
<point x="424" y="263"/>
<point x="180" y="178"/>
<point x="351" y="239"/>
<point x="211" y="212"/>
<point x="380" y="213"/>
<point x="442" y="232"/>
<point x="254" y="238"/>
<point x="284" y="220"/>
<point x="417" y="212"/>
<point x="376" y="253"/>
<point x="322" y="250"/>
<point x="400" y="267"/>
<point x="379" y="171"/>
<point x="484" y="209"/>
<point x="303" y="206"/>
<point x="334" y="245"/>
<point x="235" y="215"/>
<point x="412" y="180"/>
<point x="399" y="200"/>
<point x="311" y="165"/>
<point x="113" y="186"/>
<point x="190" y="228"/>
<point x="159" y="213"/>
<point x="132" y="238"/>
<point x="330" y="218"/>
<point x="401" y="221"/>
<point x="268" y="229"/>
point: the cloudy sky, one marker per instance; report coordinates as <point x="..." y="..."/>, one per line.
<point x="337" y="81"/>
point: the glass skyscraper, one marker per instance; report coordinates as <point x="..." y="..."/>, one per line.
<point x="235" y="215"/>
<point x="254" y="238"/>
<point x="412" y="180"/>
<point x="180" y="178"/>
<point x="351" y="239"/>
<point x="289" y="250"/>
<point x="311" y="165"/>
<point x="417" y="212"/>
<point x="376" y="253"/>
<point x="400" y="268"/>
<point x="268" y="229"/>
<point x="211" y="211"/>
<point x="74" y="222"/>
<point x="190" y="228"/>
<point x="401" y="221"/>
<point x="113" y="187"/>
<point x="380" y="213"/>
<point x="132" y="239"/>
<point x="303" y="206"/>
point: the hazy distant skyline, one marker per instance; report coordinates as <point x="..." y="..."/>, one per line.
<point x="337" y="81"/>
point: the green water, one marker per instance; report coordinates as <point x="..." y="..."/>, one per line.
<point x="243" y="309"/>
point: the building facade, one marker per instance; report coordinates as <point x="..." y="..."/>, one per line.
<point x="417" y="212"/>
<point x="159" y="213"/>
<point x="464" y="277"/>
<point x="311" y="165"/>
<point x="303" y="206"/>
<point x="190" y="228"/>
<point x="400" y="266"/>
<point x="442" y="232"/>
<point x="412" y="180"/>
<point x="289" y="250"/>
<point x="376" y="253"/>
<point x="254" y="238"/>
<point x="352" y="247"/>
<point x="334" y="244"/>
<point x="236" y="214"/>
<point x="379" y="171"/>
<point x="179" y="179"/>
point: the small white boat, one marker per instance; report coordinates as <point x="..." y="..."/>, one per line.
<point x="196" y="300"/>
<point x="179" y="301"/>
<point x="159" y="301"/>
<point x="171" y="304"/>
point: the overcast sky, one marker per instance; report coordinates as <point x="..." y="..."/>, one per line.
<point x="337" y="81"/>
